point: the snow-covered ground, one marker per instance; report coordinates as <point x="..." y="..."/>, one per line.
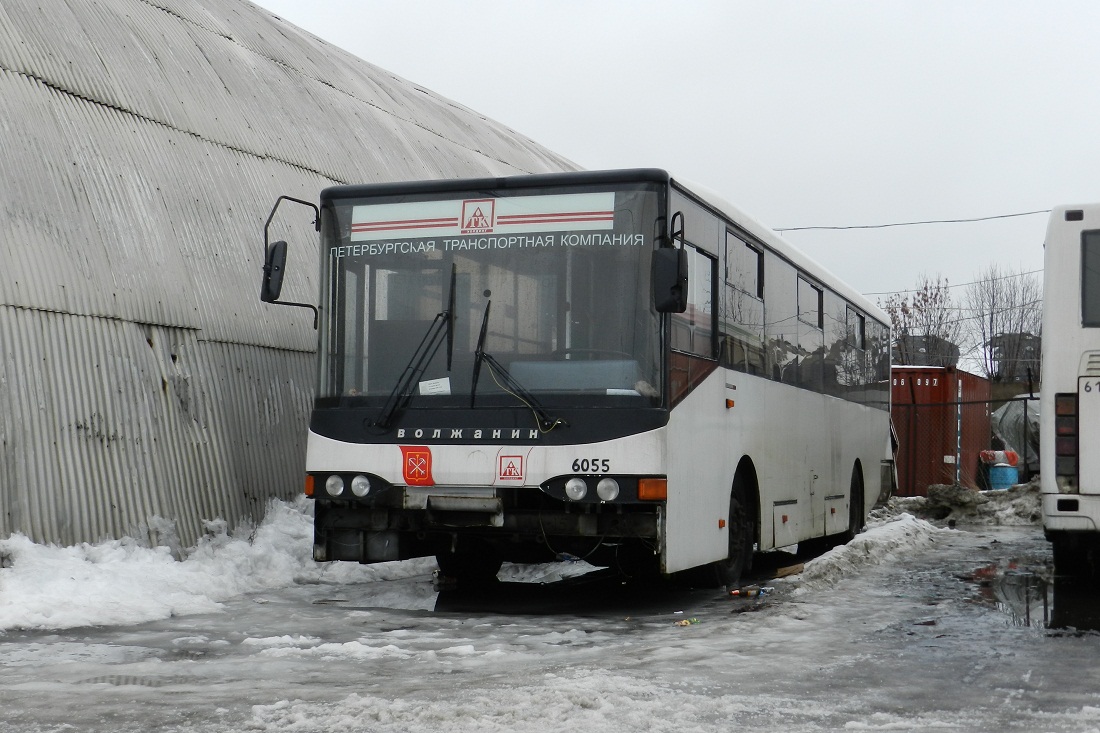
<point x="897" y="630"/>
<point x="125" y="581"/>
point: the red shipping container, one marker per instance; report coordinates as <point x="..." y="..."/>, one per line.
<point x="941" y="416"/>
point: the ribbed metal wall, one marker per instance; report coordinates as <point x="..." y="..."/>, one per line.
<point x="143" y="143"/>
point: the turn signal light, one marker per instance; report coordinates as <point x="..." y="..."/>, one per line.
<point x="1066" y="441"/>
<point x="1065" y="404"/>
<point x="309" y="486"/>
<point x="653" y="489"/>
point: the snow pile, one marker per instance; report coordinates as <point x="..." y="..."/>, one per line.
<point x="127" y="582"/>
<point x="1019" y="505"/>
<point x="908" y="523"/>
<point x="881" y="543"/>
<point x="119" y="582"/>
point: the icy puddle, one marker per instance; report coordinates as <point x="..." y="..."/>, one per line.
<point x="1025" y="589"/>
<point x="1038" y="600"/>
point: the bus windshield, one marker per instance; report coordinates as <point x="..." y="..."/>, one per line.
<point x="559" y="277"/>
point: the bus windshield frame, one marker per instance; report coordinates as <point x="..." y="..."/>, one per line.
<point x="559" y="276"/>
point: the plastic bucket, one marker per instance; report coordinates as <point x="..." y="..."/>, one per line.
<point x="1002" y="477"/>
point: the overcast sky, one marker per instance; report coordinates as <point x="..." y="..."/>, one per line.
<point x="831" y="114"/>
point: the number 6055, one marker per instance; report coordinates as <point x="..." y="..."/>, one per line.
<point x="592" y="465"/>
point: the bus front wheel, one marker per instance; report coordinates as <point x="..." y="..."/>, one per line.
<point x="742" y="533"/>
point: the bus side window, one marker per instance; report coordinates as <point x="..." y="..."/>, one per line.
<point x="857" y="329"/>
<point x="811" y="336"/>
<point x="694" y="338"/>
<point x="693" y="330"/>
<point x="809" y="303"/>
<point x="742" y="321"/>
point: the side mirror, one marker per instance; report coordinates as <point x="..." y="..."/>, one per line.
<point x="670" y="279"/>
<point x="274" y="265"/>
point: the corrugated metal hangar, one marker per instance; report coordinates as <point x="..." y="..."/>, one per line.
<point x="143" y="145"/>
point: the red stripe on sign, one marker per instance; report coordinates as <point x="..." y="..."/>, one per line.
<point x="564" y="216"/>
<point x="378" y="226"/>
<point x="571" y="220"/>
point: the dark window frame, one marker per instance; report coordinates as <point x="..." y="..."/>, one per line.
<point x="819" y="321"/>
<point x="732" y="240"/>
<point x="860" y="332"/>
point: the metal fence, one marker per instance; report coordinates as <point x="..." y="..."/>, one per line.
<point x="943" y="442"/>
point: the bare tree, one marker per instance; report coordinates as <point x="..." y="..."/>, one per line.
<point x="1006" y="311"/>
<point x="926" y="323"/>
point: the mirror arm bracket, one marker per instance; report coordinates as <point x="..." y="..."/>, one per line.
<point x="677" y="233"/>
<point x="310" y="204"/>
<point x="316" y="313"/>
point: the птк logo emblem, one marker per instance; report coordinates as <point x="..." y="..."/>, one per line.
<point x="478" y="216"/>
<point x="511" y="468"/>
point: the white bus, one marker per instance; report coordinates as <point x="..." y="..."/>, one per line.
<point x="609" y="365"/>
<point x="1069" y="448"/>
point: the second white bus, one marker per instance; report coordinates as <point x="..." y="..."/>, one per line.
<point x="1069" y="450"/>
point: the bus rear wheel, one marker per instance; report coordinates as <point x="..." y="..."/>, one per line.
<point x="857" y="518"/>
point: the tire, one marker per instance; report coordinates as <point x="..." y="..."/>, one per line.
<point x="742" y="534"/>
<point x="857" y="519"/>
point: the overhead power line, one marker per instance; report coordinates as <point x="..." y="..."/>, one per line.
<point x="960" y="285"/>
<point x="915" y="223"/>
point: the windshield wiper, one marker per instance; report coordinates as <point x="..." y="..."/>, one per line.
<point x="479" y="351"/>
<point x="443" y="325"/>
<point x="545" y="422"/>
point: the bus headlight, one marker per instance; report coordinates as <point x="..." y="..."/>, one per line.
<point x="607" y="489"/>
<point x="334" y="485"/>
<point x="576" y="488"/>
<point x="360" y="486"/>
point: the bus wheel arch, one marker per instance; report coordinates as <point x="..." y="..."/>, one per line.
<point x="743" y="528"/>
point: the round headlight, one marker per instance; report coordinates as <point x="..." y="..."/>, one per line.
<point x="360" y="486"/>
<point x="334" y="485"/>
<point x="576" y="488"/>
<point x="607" y="489"/>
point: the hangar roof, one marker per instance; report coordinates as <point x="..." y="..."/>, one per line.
<point x="146" y="140"/>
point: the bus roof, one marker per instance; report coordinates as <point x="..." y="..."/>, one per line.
<point x="534" y="180"/>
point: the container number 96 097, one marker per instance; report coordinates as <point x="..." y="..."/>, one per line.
<point x="591" y="465"/>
